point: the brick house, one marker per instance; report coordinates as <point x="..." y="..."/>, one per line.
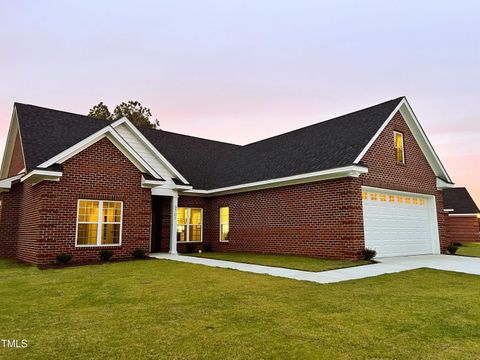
<point x="463" y="215"/>
<point x="75" y="184"/>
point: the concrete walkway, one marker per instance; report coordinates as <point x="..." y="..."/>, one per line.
<point x="462" y="264"/>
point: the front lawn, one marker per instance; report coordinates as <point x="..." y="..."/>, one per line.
<point x="165" y="309"/>
<point x="284" y="261"/>
<point x="469" y="249"/>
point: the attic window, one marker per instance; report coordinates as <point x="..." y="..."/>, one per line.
<point x="399" y="147"/>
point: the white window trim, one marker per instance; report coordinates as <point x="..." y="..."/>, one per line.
<point x="227" y="223"/>
<point x="395" y="146"/>
<point x="187" y="226"/>
<point x="99" y="224"/>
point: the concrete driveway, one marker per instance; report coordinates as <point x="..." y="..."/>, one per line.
<point x="463" y="264"/>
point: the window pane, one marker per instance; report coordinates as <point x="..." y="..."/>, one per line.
<point x="111" y="234"/>
<point x="195" y="233"/>
<point x="111" y="212"/>
<point x="182" y="216"/>
<point x="224" y="215"/>
<point x="181" y="233"/>
<point x="88" y="211"/>
<point x="399" y="147"/>
<point x="225" y="232"/>
<point x="195" y="216"/>
<point x="87" y="234"/>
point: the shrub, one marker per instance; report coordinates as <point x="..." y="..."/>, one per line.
<point x="207" y="247"/>
<point x="138" y="253"/>
<point x="190" y="248"/>
<point x="105" y="255"/>
<point x="368" y="254"/>
<point x="452" y="249"/>
<point x="63" y="258"/>
<point x="457" y="244"/>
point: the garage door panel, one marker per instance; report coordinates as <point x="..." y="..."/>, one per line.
<point x="397" y="224"/>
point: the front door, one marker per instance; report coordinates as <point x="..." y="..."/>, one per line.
<point x="156" y="237"/>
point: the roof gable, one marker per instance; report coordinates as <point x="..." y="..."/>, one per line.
<point x="459" y="200"/>
<point x="419" y="135"/>
<point x="51" y="135"/>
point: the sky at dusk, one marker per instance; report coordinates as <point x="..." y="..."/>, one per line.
<point x="240" y="71"/>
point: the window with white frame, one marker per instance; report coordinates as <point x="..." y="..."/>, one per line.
<point x="189" y="224"/>
<point x="99" y="223"/>
<point x="399" y="147"/>
<point x="224" y="223"/>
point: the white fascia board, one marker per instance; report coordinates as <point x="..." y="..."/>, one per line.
<point x="6" y="184"/>
<point x="463" y="215"/>
<point x="448" y="210"/>
<point x="442" y="184"/>
<point x="36" y="176"/>
<point x="434" y="160"/>
<point x="377" y="134"/>
<point x="346" y="171"/>
<point x="117" y="140"/>
<point x="13" y="129"/>
<point x="152" y="183"/>
<point x="150" y="146"/>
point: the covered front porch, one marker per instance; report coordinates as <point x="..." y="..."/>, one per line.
<point x="176" y="227"/>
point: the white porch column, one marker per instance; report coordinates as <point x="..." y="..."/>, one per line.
<point x="173" y="225"/>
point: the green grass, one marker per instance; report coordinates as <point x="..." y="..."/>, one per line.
<point x="469" y="249"/>
<point x="166" y="309"/>
<point x="284" y="261"/>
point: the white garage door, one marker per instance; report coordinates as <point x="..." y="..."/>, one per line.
<point x="398" y="224"/>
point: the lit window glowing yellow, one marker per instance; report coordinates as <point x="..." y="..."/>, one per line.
<point x="224" y="224"/>
<point x="422" y="202"/>
<point x="400" y="199"/>
<point x="373" y="196"/>
<point x="189" y="224"/>
<point x="391" y="198"/>
<point x="364" y="195"/>
<point x="415" y="201"/>
<point x="407" y="200"/>
<point x="399" y="151"/>
<point x="383" y="197"/>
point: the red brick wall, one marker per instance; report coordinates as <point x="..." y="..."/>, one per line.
<point x="316" y="219"/>
<point x="9" y="212"/>
<point x="415" y="175"/>
<point x="462" y="229"/>
<point x="16" y="162"/>
<point x="99" y="172"/>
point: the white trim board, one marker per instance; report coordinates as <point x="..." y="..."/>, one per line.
<point x="419" y="135"/>
<point x="148" y="144"/>
<point x="35" y="176"/>
<point x="13" y="130"/>
<point x="346" y="171"/>
<point x="463" y="215"/>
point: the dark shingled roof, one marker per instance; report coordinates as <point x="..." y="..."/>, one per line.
<point x="208" y="164"/>
<point x="459" y="200"/>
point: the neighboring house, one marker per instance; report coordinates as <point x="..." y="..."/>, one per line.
<point x="75" y="184"/>
<point x="463" y="215"/>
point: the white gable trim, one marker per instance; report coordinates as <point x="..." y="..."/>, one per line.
<point x="36" y="176"/>
<point x="6" y="184"/>
<point x="463" y="215"/>
<point x="346" y="171"/>
<point x="111" y="133"/>
<point x="13" y="130"/>
<point x="419" y="135"/>
<point x="152" y="148"/>
<point x="377" y="134"/>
